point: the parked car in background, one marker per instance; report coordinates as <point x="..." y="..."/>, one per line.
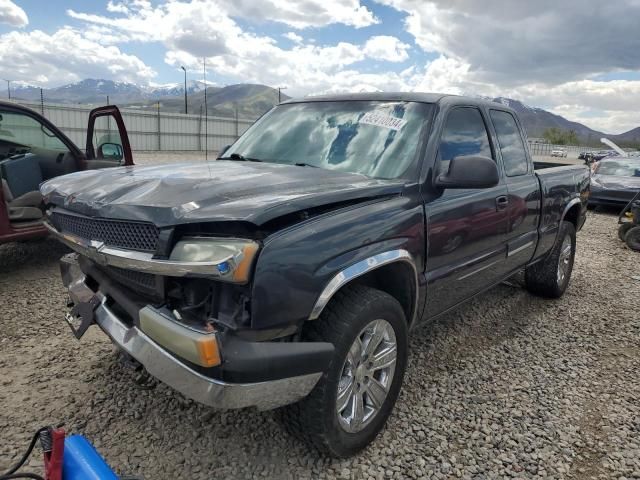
<point x="558" y="153"/>
<point x="614" y="181"/>
<point x="599" y="155"/>
<point x="292" y="271"/>
<point x="33" y="150"/>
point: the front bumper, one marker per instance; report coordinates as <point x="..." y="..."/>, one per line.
<point x="183" y="377"/>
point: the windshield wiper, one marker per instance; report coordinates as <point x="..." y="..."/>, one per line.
<point x="239" y="157"/>
<point x="302" y="164"/>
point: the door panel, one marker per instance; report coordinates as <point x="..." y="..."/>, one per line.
<point x="466" y="228"/>
<point x="107" y="139"/>
<point x="465" y="242"/>
<point x="523" y="187"/>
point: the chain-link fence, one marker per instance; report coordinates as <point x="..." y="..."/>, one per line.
<point x="545" y="149"/>
<point x="151" y="131"/>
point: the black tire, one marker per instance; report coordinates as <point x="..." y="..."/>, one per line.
<point x="623" y="229"/>
<point x="543" y="278"/>
<point x="632" y="238"/>
<point x="315" y="419"/>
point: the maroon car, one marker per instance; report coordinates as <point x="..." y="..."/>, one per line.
<point x="33" y="150"/>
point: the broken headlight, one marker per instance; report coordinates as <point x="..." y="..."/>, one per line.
<point x="231" y="259"/>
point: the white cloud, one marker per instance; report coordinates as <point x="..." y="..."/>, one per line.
<point x="191" y="31"/>
<point x="294" y="37"/>
<point x="611" y="107"/>
<point x="65" y="56"/>
<point x="385" y="47"/>
<point x="141" y="17"/>
<point x="12" y="14"/>
<point x="514" y="43"/>
<point x="302" y="14"/>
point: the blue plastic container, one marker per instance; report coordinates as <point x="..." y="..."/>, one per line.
<point x="82" y="462"/>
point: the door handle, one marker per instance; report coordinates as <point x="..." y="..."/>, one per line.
<point x="502" y="202"/>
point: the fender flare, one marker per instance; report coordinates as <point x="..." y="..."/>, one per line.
<point x="572" y="203"/>
<point x="363" y="267"/>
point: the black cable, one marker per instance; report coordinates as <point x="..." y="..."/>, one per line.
<point x="21" y="475"/>
<point x="24" y="457"/>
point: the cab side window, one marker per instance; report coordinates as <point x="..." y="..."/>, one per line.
<point x="464" y="134"/>
<point x="19" y="133"/>
<point x="514" y="155"/>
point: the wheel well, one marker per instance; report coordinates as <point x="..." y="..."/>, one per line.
<point x="398" y="279"/>
<point x="573" y="214"/>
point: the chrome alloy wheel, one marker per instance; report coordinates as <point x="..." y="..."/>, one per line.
<point x="564" y="259"/>
<point x="366" y="376"/>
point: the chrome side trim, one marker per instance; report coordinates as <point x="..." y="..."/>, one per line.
<point x="358" y="269"/>
<point x="141" y="261"/>
<point x="479" y="270"/>
<point x="519" y="249"/>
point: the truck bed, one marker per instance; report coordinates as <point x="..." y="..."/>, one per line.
<point x="559" y="187"/>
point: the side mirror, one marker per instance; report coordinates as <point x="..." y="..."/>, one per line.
<point x="472" y="171"/>
<point x="224" y="149"/>
<point x="110" y="151"/>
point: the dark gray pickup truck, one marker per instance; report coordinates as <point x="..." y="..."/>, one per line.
<point x="291" y="271"/>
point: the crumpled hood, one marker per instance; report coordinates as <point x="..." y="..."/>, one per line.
<point x="213" y="191"/>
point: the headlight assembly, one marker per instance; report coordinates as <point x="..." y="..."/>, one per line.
<point x="230" y="259"/>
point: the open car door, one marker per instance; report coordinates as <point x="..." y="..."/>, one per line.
<point x="107" y="139"/>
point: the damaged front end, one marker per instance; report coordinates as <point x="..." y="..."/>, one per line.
<point x="183" y="311"/>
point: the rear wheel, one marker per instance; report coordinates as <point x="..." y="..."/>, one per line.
<point x="550" y="277"/>
<point x="632" y="238"/>
<point x="353" y="399"/>
<point x="623" y="229"/>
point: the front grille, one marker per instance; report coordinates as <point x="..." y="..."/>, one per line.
<point x="139" y="236"/>
<point x="132" y="278"/>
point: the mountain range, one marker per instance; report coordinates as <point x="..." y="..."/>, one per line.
<point x="252" y="100"/>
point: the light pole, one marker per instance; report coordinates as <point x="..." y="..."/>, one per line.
<point x="8" y="88"/>
<point x="185" y="89"/>
<point x="279" y="94"/>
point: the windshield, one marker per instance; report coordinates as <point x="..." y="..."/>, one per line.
<point x="619" y="169"/>
<point x="374" y="138"/>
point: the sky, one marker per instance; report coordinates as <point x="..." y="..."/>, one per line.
<point x="576" y="58"/>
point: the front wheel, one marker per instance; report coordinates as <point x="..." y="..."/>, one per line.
<point x="355" y="396"/>
<point x="550" y="277"/>
<point x="623" y="229"/>
<point x="632" y="238"/>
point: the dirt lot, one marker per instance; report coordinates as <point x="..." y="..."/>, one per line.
<point x="509" y="386"/>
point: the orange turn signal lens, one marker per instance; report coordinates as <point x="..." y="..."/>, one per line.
<point x="197" y="347"/>
<point x="242" y="270"/>
<point x="208" y="352"/>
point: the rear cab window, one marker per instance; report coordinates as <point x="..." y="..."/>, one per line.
<point x="510" y="142"/>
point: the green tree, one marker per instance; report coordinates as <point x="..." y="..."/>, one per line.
<point x="558" y="136"/>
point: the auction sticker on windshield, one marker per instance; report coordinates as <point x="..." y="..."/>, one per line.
<point x="382" y="120"/>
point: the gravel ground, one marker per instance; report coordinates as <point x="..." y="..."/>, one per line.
<point x="508" y="386"/>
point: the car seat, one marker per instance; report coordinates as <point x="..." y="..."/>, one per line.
<point x="21" y="178"/>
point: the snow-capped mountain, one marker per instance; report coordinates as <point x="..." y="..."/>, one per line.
<point x="95" y="91"/>
<point x="175" y="89"/>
